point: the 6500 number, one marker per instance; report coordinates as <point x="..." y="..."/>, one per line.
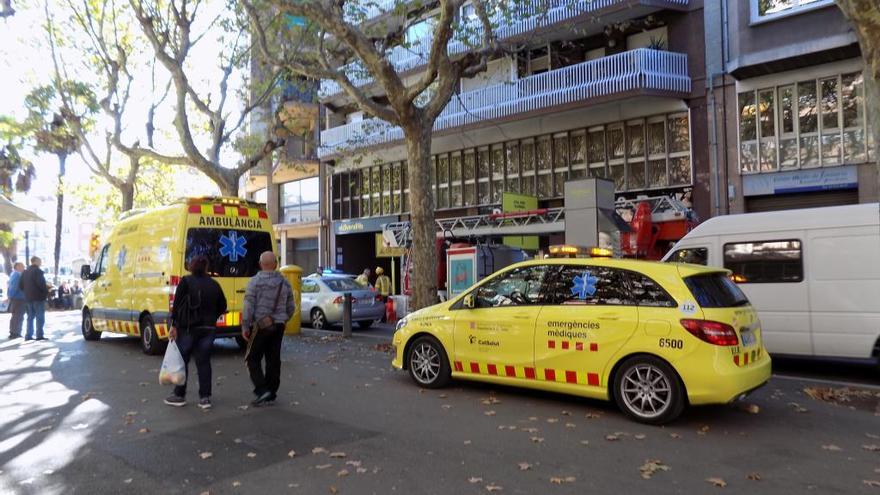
<point x="672" y="343"/>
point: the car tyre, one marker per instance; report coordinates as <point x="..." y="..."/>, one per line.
<point x="318" y="319"/>
<point x="88" y="327"/>
<point x="648" y="390"/>
<point x="366" y="324"/>
<point x="150" y="343"/>
<point x="428" y="364"/>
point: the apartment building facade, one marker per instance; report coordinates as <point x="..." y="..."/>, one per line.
<point x="789" y="120"/>
<point x="602" y="88"/>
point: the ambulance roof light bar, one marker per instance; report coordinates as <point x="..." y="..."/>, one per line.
<point x="569" y="251"/>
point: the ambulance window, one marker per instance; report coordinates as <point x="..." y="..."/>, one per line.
<point x="648" y="292"/>
<point x="519" y="287"/>
<point x="101" y="265"/>
<point x="695" y="256"/>
<point x="230" y="253"/>
<point x="587" y="285"/>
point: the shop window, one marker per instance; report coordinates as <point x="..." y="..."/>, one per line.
<point x="635" y="158"/>
<point x="830" y="122"/>
<point x="560" y="164"/>
<point x="455" y="186"/>
<point x="468" y="172"/>
<point x="596" y="152"/>
<point x="545" y="162"/>
<point x="483" y="177"/>
<point x="497" y="173"/>
<point x="767" y="129"/>
<point x="513" y="160"/>
<point x="578" y="154"/>
<point x="443" y="181"/>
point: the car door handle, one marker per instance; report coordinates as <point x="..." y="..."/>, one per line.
<point x="609" y="316"/>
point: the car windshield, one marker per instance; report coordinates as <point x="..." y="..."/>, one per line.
<point x="341" y="284"/>
<point x="230" y="253"/>
<point x="715" y="290"/>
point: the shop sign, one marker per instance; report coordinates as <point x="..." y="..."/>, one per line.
<point x="361" y="225"/>
<point x="797" y="181"/>
<point x="512" y="202"/>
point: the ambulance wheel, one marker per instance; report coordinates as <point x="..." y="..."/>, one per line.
<point x="428" y="364"/>
<point x="319" y="319"/>
<point x="648" y="390"/>
<point x="242" y="344"/>
<point x="149" y="338"/>
<point x="88" y="327"/>
<point x="365" y="324"/>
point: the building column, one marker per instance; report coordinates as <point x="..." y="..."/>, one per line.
<point x="284" y="260"/>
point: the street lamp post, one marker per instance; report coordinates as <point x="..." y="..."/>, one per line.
<point x="27" y="246"/>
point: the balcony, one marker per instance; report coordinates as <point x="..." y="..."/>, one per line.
<point x="534" y="16"/>
<point x="636" y="70"/>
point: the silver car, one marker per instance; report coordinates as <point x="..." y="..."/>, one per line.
<point x="322" y="301"/>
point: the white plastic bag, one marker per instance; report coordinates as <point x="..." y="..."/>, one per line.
<point x="173" y="370"/>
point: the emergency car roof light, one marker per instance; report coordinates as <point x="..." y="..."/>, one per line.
<point x="564" y="250"/>
<point x="598" y="252"/>
<point x="713" y="332"/>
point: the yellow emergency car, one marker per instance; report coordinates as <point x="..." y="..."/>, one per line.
<point x="654" y="337"/>
<point x="135" y="274"/>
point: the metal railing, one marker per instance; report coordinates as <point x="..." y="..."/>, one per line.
<point x="531" y="16"/>
<point x="642" y="68"/>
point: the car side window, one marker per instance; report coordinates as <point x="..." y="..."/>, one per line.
<point x="696" y="256"/>
<point x="587" y="285"/>
<point x="647" y="292"/>
<point x="309" y="287"/>
<point x="101" y="265"/>
<point x="519" y="287"/>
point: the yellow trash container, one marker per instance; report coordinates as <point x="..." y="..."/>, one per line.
<point x="293" y="274"/>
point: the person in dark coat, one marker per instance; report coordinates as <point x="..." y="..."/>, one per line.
<point x="198" y="303"/>
<point x="17" y="302"/>
<point x="33" y="284"/>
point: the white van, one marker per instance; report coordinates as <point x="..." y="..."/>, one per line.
<point x="812" y="274"/>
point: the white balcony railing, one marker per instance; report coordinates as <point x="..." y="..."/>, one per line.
<point x="531" y="16"/>
<point x="633" y="70"/>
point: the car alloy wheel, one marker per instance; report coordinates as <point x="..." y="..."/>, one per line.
<point x="425" y="362"/>
<point x="646" y="391"/>
<point x="319" y="321"/>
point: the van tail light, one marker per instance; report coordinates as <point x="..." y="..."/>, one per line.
<point x="713" y="332"/>
<point x="173" y="283"/>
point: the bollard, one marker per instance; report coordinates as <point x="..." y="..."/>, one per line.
<point x="346" y="315"/>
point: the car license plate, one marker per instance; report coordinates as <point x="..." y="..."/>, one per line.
<point x="748" y="339"/>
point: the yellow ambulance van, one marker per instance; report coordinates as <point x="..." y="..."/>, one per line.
<point x="132" y="281"/>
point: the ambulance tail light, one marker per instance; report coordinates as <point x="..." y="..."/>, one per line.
<point x="713" y="332"/>
<point x="173" y="283"/>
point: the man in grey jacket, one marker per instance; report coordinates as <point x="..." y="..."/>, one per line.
<point x="268" y="294"/>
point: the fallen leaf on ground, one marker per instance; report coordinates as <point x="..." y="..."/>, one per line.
<point x="467" y="442"/>
<point x="319" y="450"/>
<point x="244" y="407"/>
<point x="675" y="435"/>
<point x="493" y="488"/>
<point x="570" y="425"/>
<point x="754" y="477"/>
<point x="716" y="482"/>
<point x="361" y="470"/>
<point x="832" y="447"/>
<point x="218" y="432"/>
<point x="537" y="439"/>
<point x="703" y="430"/>
<point x="797" y="407"/>
<point x="489" y="413"/>
<point x="552" y="420"/>
<point x="565" y="413"/>
<point x="590" y="415"/>
<point x="530" y="430"/>
<point x="127" y="481"/>
<point x="342" y="473"/>
<point x="442" y="396"/>
<point x="871" y="447"/>
<point x="144" y="430"/>
<point x="81" y="426"/>
<point x="291" y="454"/>
<point x="44" y="428"/>
<point x="872" y="483"/>
<point x="206" y="455"/>
<point x="585" y="442"/>
<point x="251" y="454"/>
<point x="323" y="466"/>
<point x="446" y="406"/>
<point x="639" y="436"/>
<point x="873" y="436"/>
<point x="524" y="466"/>
<point x="337" y="455"/>
<point x="474" y="480"/>
<point x="333" y="489"/>
<point x="353" y="463"/>
<point x="533" y="418"/>
<point x="651" y="466"/>
<point x="237" y="440"/>
<point x="612" y="438"/>
<point x="236" y="483"/>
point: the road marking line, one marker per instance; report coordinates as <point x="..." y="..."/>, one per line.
<point x="820" y="380"/>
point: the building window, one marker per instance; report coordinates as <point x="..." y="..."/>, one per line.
<point x="261" y="195"/>
<point x="807" y="124"/>
<point x="299" y="200"/>
<point x="762" y="10"/>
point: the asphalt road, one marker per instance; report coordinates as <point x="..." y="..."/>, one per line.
<point x="87" y="417"/>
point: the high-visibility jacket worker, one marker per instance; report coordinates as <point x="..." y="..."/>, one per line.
<point x="383" y="283"/>
<point x="364" y="278"/>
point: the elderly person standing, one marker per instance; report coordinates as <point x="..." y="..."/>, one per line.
<point x="17" y="302"/>
<point x="33" y="284"/>
<point x="268" y="304"/>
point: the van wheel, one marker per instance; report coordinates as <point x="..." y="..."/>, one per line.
<point x="428" y="364"/>
<point x="319" y="320"/>
<point x="648" y="390"/>
<point x="149" y="338"/>
<point x="88" y="327"/>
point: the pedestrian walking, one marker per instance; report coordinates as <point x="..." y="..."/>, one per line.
<point x="383" y="283"/>
<point x="364" y="278"/>
<point x="33" y="284"/>
<point x="17" y="302"/>
<point x="268" y="304"/>
<point x="198" y="303"/>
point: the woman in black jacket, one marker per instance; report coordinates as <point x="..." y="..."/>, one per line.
<point x="198" y="302"/>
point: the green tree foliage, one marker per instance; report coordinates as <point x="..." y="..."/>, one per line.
<point x="16" y="175"/>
